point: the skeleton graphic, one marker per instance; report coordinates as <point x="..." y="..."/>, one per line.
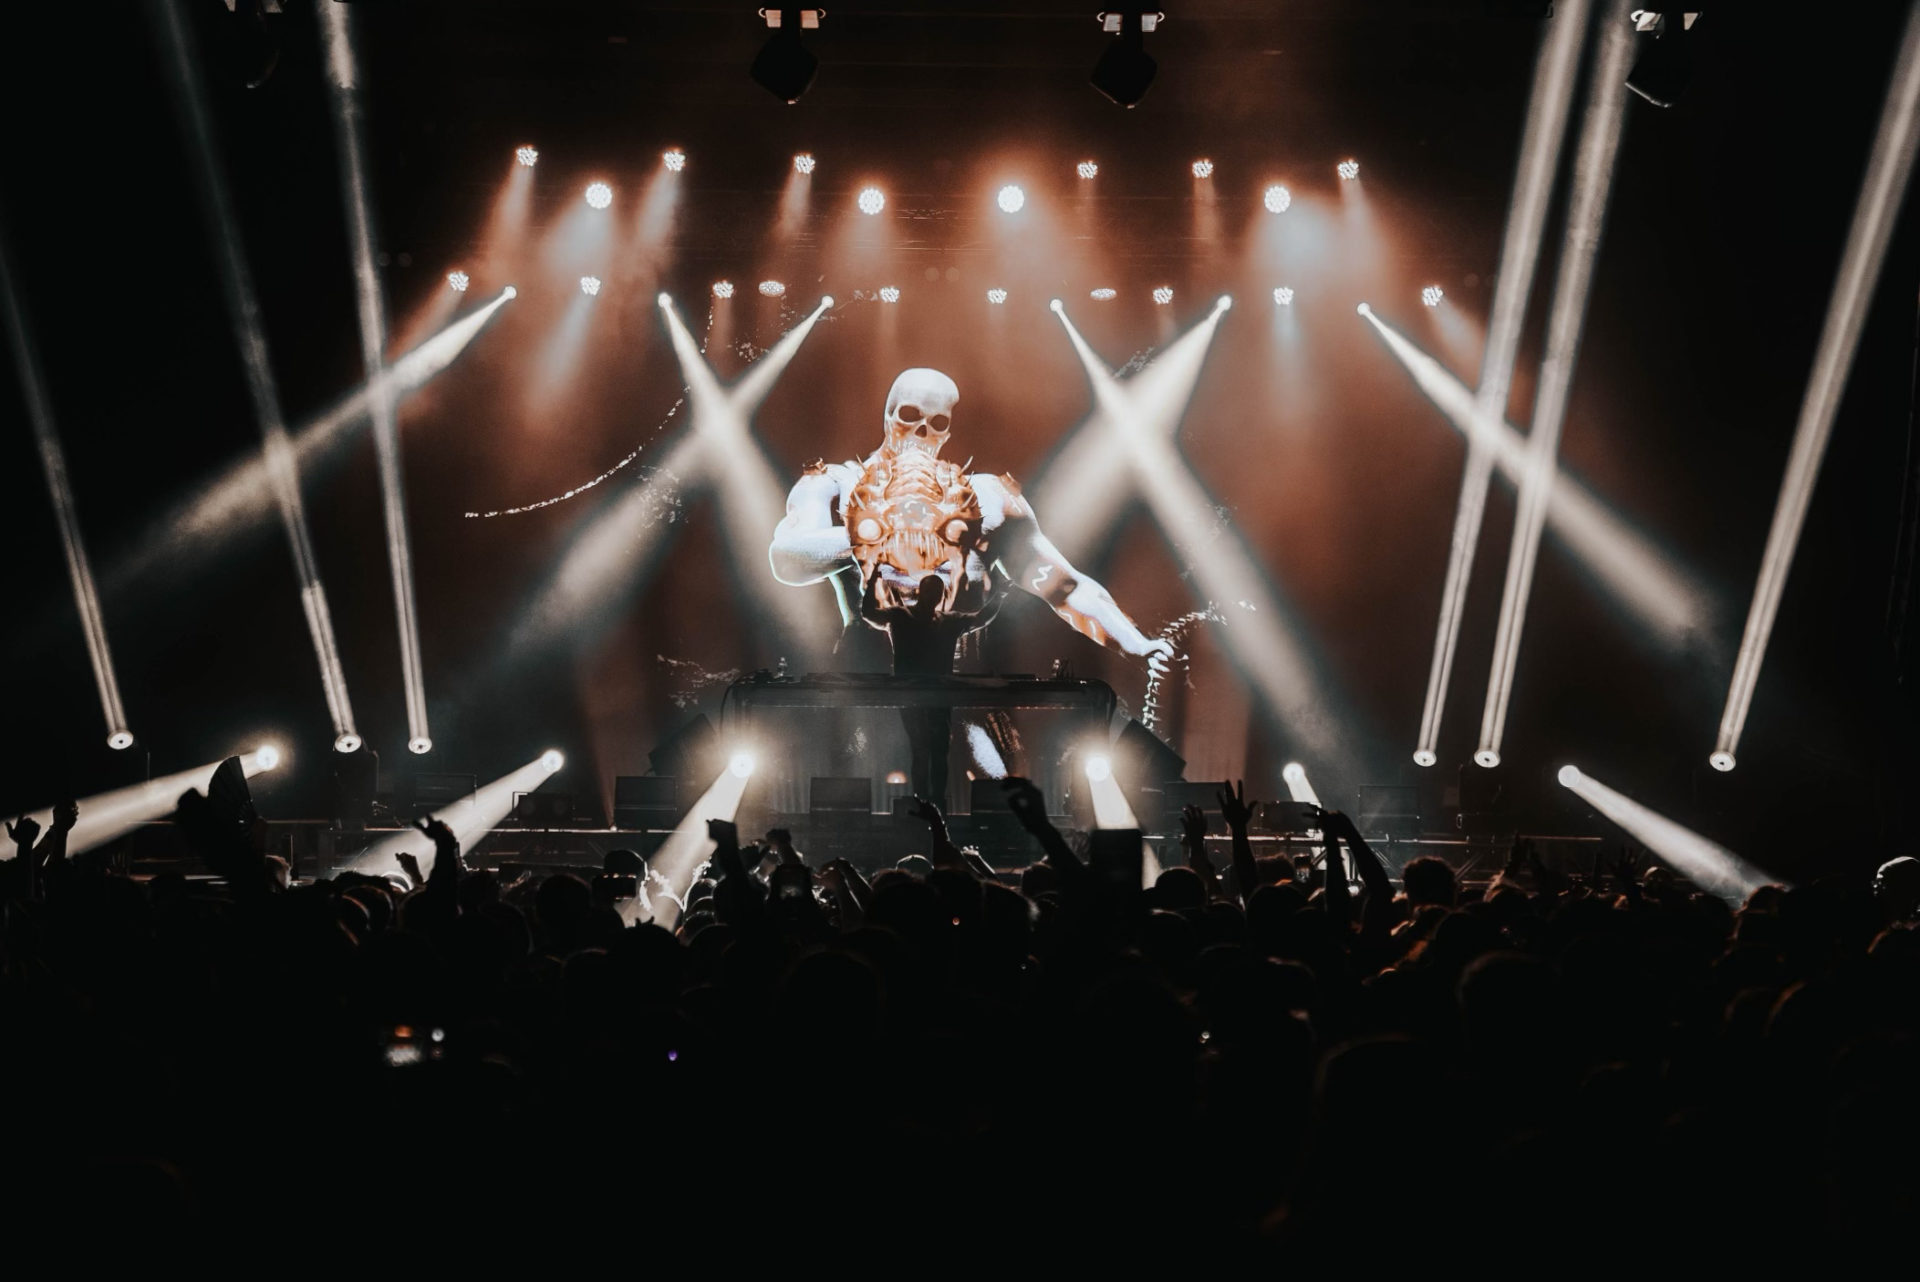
<point x="911" y="524"/>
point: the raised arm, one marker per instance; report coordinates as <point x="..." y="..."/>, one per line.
<point x="808" y="544"/>
<point x="1029" y="558"/>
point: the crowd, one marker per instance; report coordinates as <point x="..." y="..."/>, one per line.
<point x="1244" y="1061"/>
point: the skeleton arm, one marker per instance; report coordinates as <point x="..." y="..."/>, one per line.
<point x="1029" y="558"/>
<point x="808" y="544"/>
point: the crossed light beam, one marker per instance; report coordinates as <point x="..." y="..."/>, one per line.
<point x="1668" y="602"/>
<point x="1142" y="418"/>
<point x="625" y="538"/>
<point x="243" y="309"/>
<point x="1600" y="131"/>
<point x="106" y="816"/>
<point x="1888" y="168"/>
<point x="471" y="818"/>
<point x="53" y="460"/>
<point x="1707" y="864"/>
<point x="244" y="494"/>
<point x="1547" y="111"/>
<point x="350" y="141"/>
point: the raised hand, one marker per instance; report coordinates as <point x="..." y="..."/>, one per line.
<point x="66" y="815"/>
<point x="1235" y="808"/>
<point x="1193" y="826"/>
<point x="723" y="833"/>
<point x="25" y="832"/>
<point x="928" y="812"/>
<point x="1025" y="800"/>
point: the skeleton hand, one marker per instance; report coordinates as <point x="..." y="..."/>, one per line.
<point x="1159" y="655"/>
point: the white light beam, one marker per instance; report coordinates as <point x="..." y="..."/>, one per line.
<point x="1711" y="866"/>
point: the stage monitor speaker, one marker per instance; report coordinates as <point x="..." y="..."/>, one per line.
<point x="1144" y="759"/>
<point x="543" y="809"/>
<point x="987" y="796"/>
<point x="1180" y="794"/>
<point x="437" y="791"/>
<point x="692" y="752"/>
<point x="839" y="795"/>
<point x="645" y="801"/>
<point x="1389" y="810"/>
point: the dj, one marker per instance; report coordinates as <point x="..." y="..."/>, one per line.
<point x="936" y="549"/>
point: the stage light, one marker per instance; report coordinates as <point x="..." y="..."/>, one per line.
<point x="740" y="765"/>
<point x="1486" y="757"/>
<point x="347" y="743"/>
<point x="803" y="163"/>
<point x="1721" y="761"/>
<point x="471" y="818"/>
<point x="772" y="288"/>
<point x="1364" y="310"/>
<point x="1348" y="169"/>
<point x="1054" y="305"/>
<point x="1424" y="757"/>
<point x="785" y="67"/>
<point x="509" y="292"/>
<point x="1593" y="168"/>
<point x="996" y="296"/>
<point x="1277" y="199"/>
<point x="1223" y="303"/>
<point x="1298" y="786"/>
<point x="1665" y="65"/>
<point x="721" y="289"/>
<point x="1099" y="767"/>
<point x="599" y="195"/>
<point x="1203" y="169"/>
<point x="459" y="281"/>
<point x="526" y="155"/>
<point x="1125" y="70"/>
<point x="872" y="200"/>
<point x="551" y="760"/>
<point x="1163" y="295"/>
<point x="420" y="745"/>
<point x="1875" y="215"/>
<point x="109" y="815"/>
<point x="1556" y="68"/>
<point x="1103" y="294"/>
<point x="1011" y="199"/>
<point x="675" y="160"/>
<point x="1283" y="296"/>
<point x="889" y="294"/>
<point x="120" y="740"/>
<point x="266" y="756"/>
<point x="664" y="299"/>
<point x="1707" y="864"/>
<point x="590" y="285"/>
<point x="826" y="300"/>
<point x="1087" y="169"/>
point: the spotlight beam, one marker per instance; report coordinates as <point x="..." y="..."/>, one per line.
<point x="1272" y="662"/>
<point x="1707" y="864"/>
<point x="471" y="819"/>
<point x="109" y="815"/>
<point x="1298" y="787"/>
<point x="736" y="468"/>
<point x="349" y="140"/>
<point x="243" y="308"/>
<point x="53" y="461"/>
<point x="685" y="850"/>
<point x="1599" y="146"/>
<point x="1547" y="112"/>
<point x="1670" y="604"/>
<point x="1888" y="168"/>
<point x="244" y="494"/>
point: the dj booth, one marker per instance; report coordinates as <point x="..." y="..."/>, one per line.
<point x="843" y="726"/>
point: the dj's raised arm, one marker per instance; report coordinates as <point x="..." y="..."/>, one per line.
<point x="808" y="544"/>
<point x="1029" y="558"/>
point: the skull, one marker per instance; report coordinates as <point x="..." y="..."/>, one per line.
<point x="920" y="411"/>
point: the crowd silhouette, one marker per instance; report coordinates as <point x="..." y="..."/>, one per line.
<point x="1021" y="1049"/>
